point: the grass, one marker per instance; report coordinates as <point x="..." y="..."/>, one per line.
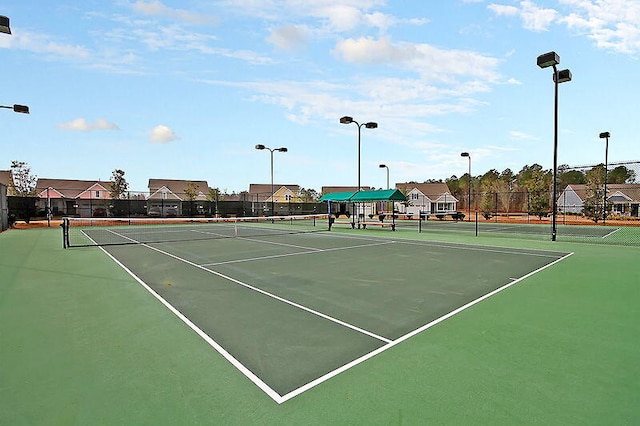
<point x="82" y="343"/>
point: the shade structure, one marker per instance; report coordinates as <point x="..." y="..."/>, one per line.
<point x="379" y="195"/>
<point x="338" y="196"/>
<point x="365" y="196"/>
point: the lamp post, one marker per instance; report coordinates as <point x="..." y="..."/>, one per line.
<point x="384" y="166"/>
<point x="6" y="29"/>
<point x="369" y="125"/>
<point x="605" y="135"/>
<point x="546" y="60"/>
<point x="466" y="154"/>
<point x="283" y="149"/>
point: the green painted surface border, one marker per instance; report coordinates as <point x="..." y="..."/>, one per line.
<point x="82" y="343"/>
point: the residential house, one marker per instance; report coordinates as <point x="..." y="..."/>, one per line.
<point x="83" y="198"/>
<point x="168" y="197"/>
<point x="427" y="198"/>
<point x="624" y="199"/>
<point x="262" y="198"/>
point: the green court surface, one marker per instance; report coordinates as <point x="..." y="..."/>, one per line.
<point x="234" y="331"/>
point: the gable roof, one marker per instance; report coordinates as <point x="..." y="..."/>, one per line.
<point x="630" y="190"/>
<point x="177" y="187"/>
<point x="68" y="188"/>
<point x="433" y="191"/>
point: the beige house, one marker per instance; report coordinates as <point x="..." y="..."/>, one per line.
<point x="170" y="197"/>
<point x="427" y="198"/>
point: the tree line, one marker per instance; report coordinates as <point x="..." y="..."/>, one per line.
<point x="530" y="189"/>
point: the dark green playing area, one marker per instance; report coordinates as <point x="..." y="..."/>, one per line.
<point x="291" y="310"/>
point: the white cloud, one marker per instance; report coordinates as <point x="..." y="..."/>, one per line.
<point x="533" y="18"/>
<point x="515" y="134"/>
<point x="162" y="134"/>
<point x="288" y="37"/>
<point x="82" y="125"/>
<point x="612" y="24"/>
<point x="156" y="8"/>
<point x="424" y="59"/>
<point x="503" y="10"/>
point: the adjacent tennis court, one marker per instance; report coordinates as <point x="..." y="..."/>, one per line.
<point x="291" y="309"/>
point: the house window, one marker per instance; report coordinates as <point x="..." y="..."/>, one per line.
<point x="97" y="194"/>
<point x="414" y="196"/>
<point x="164" y="195"/>
<point x="288" y="197"/>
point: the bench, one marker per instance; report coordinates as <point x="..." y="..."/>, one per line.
<point x="380" y="224"/>
<point x="351" y="224"/>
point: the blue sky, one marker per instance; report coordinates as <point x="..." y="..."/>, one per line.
<point x="185" y="89"/>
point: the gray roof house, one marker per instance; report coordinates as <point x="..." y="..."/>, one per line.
<point x="624" y="198"/>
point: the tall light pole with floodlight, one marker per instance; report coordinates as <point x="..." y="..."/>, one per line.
<point x="546" y="60"/>
<point x="6" y="29"/>
<point x="605" y="135"/>
<point x="369" y="125"/>
<point x="282" y="149"/>
<point x="466" y="154"/>
<point x="384" y="166"/>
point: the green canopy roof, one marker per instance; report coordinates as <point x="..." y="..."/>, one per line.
<point x="337" y="196"/>
<point x="380" y="195"/>
<point x="365" y="196"/>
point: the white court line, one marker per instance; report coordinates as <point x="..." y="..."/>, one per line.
<point x="401" y="339"/>
<point x="279" y="399"/>
<point x="611" y="233"/>
<point x="275" y="256"/>
<point x="273" y="296"/>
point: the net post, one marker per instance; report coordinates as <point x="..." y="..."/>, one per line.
<point x="65" y="232"/>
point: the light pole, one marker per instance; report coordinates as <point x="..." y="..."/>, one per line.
<point x="283" y="149"/>
<point x="605" y="135"/>
<point x="546" y="60"/>
<point x="369" y="125"/>
<point x="6" y="29"/>
<point x="466" y="154"/>
<point x="384" y="166"/>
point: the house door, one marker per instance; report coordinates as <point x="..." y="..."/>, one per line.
<point x="634" y="209"/>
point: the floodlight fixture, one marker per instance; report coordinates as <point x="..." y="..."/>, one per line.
<point x="4" y="25"/>
<point x="550" y="59"/>
<point x="605" y="135"/>
<point x="23" y="109"/>
<point x="371" y="125"/>
<point x="346" y="120"/>
<point x="260" y="146"/>
<point x="562" y="76"/>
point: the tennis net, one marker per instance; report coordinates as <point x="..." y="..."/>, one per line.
<point x="79" y="232"/>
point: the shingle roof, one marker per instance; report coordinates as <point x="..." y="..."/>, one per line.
<point x="68" y="188"/>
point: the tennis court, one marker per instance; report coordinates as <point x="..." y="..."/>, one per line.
<point x="85" y="343"/>
<point x="291" y="310"/>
